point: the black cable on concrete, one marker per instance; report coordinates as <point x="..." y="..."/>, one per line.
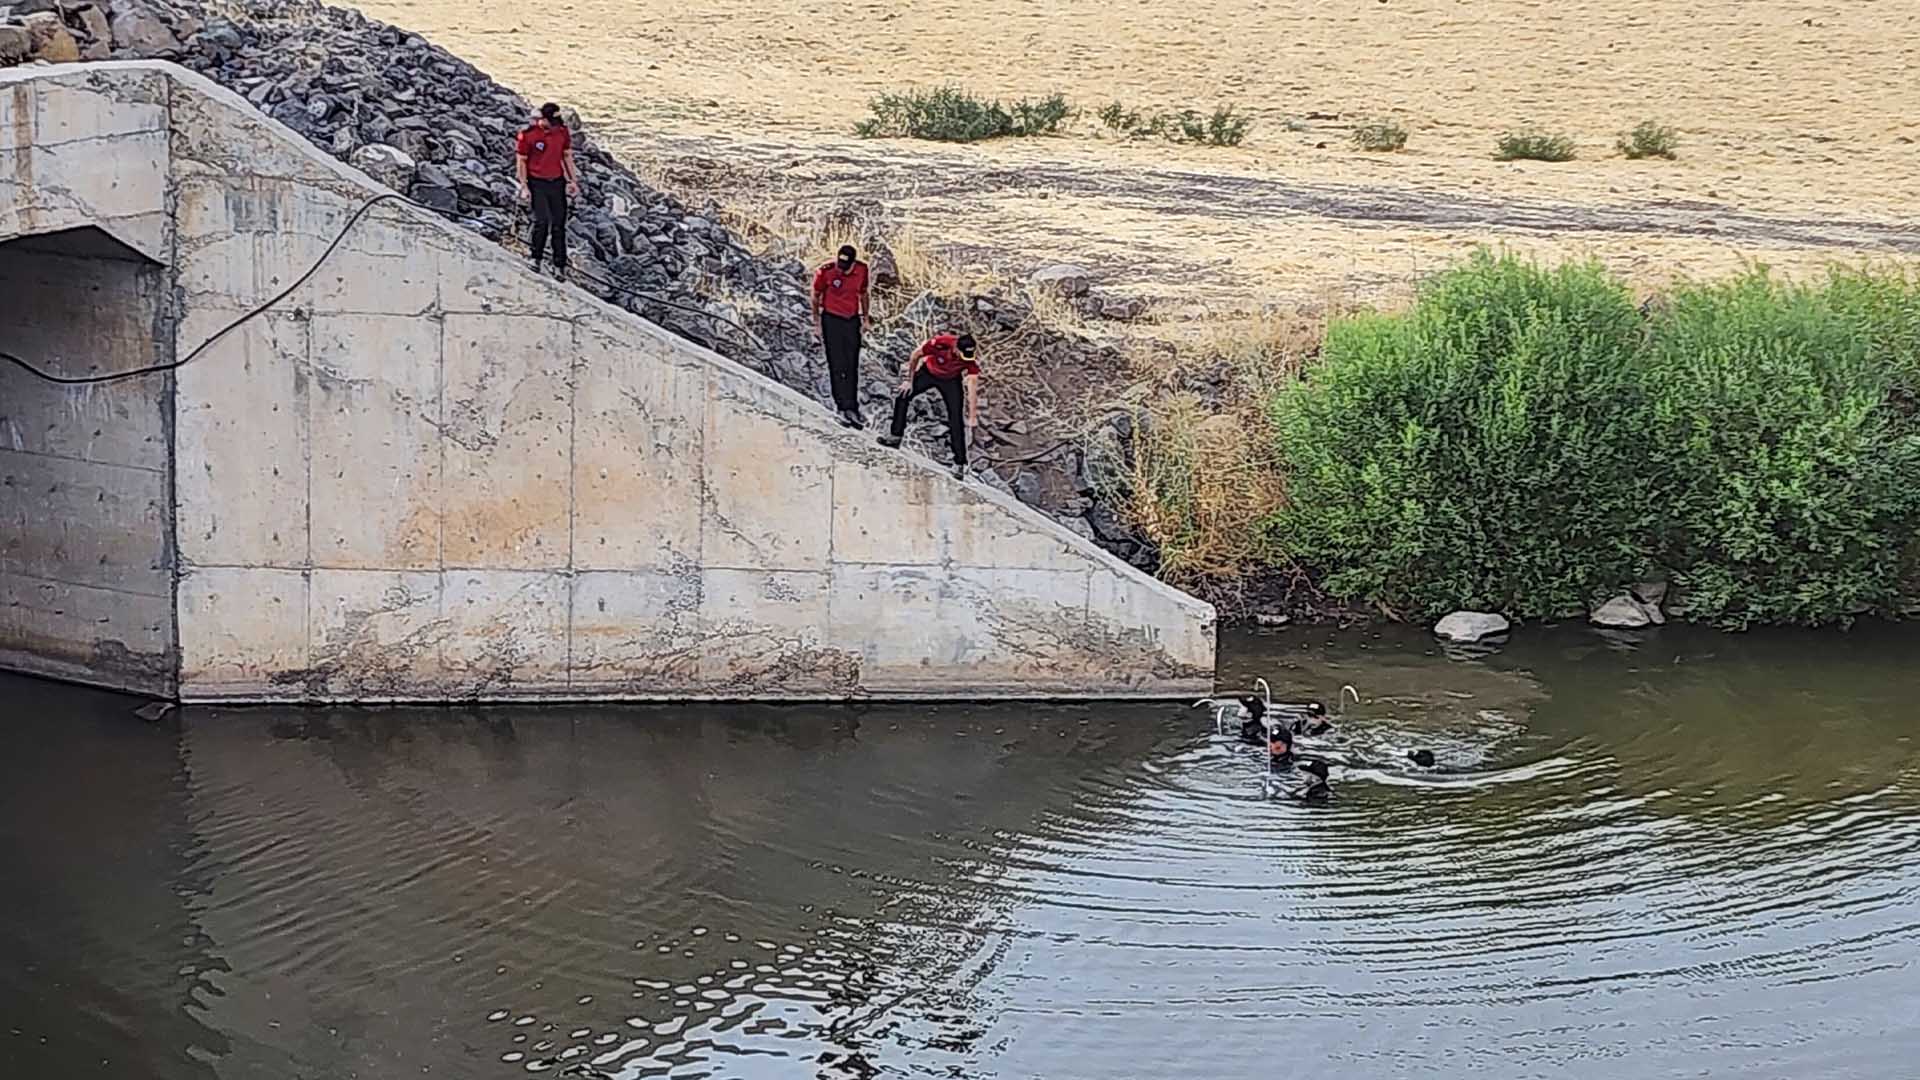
<point x="78" y="380"/>
<point x="261" y="309"/>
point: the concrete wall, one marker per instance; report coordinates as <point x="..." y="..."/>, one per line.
<point x="431" y="474"/>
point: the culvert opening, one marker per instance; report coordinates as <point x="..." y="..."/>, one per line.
<point x="86" y="561"/>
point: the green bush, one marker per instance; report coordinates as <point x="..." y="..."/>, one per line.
<point x="1788" y="462"/>
<point x="1523" y="440"/>
<point x="1381" y="136"/>
<point x="1472" y="453"/>
<point x="1223" y="127"/>
<point x="1124" y="120"/>
<point x="1649" y="140"/>
<point x="1533" y="146"/>
<point x="950" y="114"/>
<point x="1220" y="128"/>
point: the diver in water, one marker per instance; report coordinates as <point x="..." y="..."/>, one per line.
<point x="1309" y="719"/>
<point x="1253" y="729"/>
<point x="1315" y="788"/>
<point x="1422" y="758"/>
<point x="1279" y="749"/>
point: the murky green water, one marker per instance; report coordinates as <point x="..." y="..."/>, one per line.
<point x="1692" y="855"/>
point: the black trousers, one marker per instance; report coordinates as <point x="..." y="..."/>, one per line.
<point x="951" y="392"/>
<point x="549" y="217"/>
<point x="841" y="336"/>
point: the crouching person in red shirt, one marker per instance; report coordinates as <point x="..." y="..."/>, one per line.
<point x="944" y="363"/>
<point x="543" y="161"/>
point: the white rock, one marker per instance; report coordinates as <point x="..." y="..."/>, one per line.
<point x="1622" y="612"/>
<point x="1064" y="278"/>
<point x="1467" y="627"/>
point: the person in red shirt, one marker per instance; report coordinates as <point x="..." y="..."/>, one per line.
<point x="840" y="310"/>
<point x="543" y="160"/>
<point x="945" y="363"/>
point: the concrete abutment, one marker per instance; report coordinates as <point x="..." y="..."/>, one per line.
<point x="429" y="474"/>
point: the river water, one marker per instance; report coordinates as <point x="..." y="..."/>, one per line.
<point x="1677" y="855"/>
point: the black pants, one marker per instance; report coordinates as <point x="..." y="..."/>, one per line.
<point x="549" y="217"/>
<point x="951" y="393"/>
<point x="841" y="335"/>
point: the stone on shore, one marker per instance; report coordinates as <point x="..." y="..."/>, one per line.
<point x="1467" y="627"/>
<point x="1627" y="612"/>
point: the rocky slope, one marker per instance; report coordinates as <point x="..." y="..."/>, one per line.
<point x="437" y="129"/>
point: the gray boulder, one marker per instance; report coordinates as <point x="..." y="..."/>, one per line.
<point x="94" y="22"/>
<point x="1626" y="612"/>
<point x="389" y="165"/>
<point x="15" y="43"/>
<point x="1063" y="278"/>
<point x="1650" y="592"/>
<point x="1467" y="627"/>
<point x="443" y="199"/>
<point x="142" y="33"/>
<point x="432" y="175"/>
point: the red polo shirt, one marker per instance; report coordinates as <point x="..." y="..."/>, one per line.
<point x="944" y="359"/>
<point x="841" y="293"/>
<point x="545" y="149"/>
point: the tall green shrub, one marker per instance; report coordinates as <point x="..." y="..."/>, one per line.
<point x="1523" y="440"/>
<point x="1789" y="452"/>
<point x="1480" y="451"/>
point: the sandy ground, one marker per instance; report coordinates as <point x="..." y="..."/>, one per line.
<point x="1800" y="126"/>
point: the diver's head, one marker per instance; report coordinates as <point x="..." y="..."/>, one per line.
<point x="1279" y="742"/>
<point x="1422" y="758"/>
<point x="1315" y="768"/>
<point x="1254" y="706"/>
<point x="1314" y="708"/>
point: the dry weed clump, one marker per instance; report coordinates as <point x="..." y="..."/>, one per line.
<point x="951" y="114"/>
<point x="1533" y="146"/>
<point x="1223" y="127"/>
<point x="1380" y="136"/>
<point x="1202" y="476"/>
<point x="1649" y="139"/>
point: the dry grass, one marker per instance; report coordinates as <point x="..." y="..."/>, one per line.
<point x="1200" y="484"/>
<point x="1202" y="477"/>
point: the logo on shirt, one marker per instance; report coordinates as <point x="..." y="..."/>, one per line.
<point x="836" y="283"/>
<point x="541" y="145"/>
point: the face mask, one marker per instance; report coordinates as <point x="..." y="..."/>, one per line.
<point x="846" y="264"/>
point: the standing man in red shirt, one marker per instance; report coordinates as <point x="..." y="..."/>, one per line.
<point x="543" y="161"/>
<point x="945" y="363"/>
<point x="840" y="310"/>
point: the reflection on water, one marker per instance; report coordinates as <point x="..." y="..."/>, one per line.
<point x="1680" y="855"/>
